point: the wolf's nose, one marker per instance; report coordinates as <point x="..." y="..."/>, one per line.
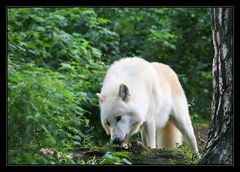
<point x="116" y="141"/>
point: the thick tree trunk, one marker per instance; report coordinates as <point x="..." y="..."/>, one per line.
<point x="219" y="148"/>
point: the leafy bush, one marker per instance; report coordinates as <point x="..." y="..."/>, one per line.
<point x="50" y="83"/>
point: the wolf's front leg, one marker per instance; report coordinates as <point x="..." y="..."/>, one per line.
<point x="151" y="134"/>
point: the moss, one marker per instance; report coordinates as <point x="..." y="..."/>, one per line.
<point x="158" y="156"/>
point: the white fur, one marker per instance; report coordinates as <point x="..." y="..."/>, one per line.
<point x="157" y="106"/>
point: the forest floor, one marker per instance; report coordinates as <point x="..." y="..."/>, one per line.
<point x="136" y="154"/>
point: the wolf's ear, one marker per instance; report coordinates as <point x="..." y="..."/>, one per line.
<point x="123" y="92"/>
<point x="101" y="97"/>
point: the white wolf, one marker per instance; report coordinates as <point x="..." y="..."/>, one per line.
<point x="141" y="96"/>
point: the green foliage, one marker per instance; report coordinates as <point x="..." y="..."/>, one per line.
<point x="49" y="92"/>
<point x="116" y="158"/>
<point x="57" y="58"/>
<point x="190" y="158"/>
<point x="44" y="36"/>
<point x="43" y="110"/>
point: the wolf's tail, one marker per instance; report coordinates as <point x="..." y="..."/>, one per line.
<point x="169" y="136"/>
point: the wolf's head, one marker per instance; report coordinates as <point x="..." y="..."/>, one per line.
<point x="118" y="116"/>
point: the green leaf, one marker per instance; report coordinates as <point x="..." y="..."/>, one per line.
<point x="126" y="161"/>
<point x="36" y="34"/>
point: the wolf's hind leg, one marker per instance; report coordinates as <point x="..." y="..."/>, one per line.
<point x="182" y="120"/>
<point x="186" y="128"/>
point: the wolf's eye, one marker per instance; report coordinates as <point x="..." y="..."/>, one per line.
<point x="108" y="123"/>
<point x="118" y="118"/>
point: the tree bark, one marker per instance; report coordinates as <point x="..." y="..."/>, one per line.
<point x="219" y="147"/>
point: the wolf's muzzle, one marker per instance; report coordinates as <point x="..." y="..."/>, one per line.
<point x="117" y="141"/>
